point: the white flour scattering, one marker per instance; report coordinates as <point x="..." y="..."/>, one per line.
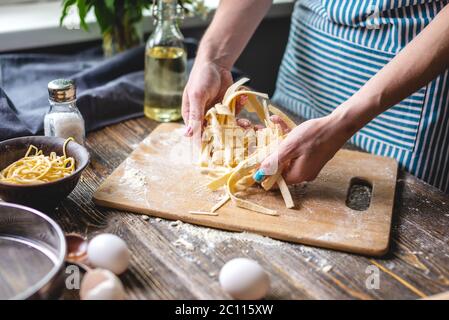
<point x="133" y="178"/>
<point x="390" y="265"/>
<point x="166" y="138"/>
<point x="184" y="243"/>
<point x="206" y="239"/>
<point x="327" y="268"/>
<point x="192" y="238"/>
<point x="134" y="184"/>
<point x="326" y="236"/>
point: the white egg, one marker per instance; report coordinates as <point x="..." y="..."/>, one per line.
<point x="101" y="284"/>
<point x="109" y="252"/>
<point x="244" y="279"/>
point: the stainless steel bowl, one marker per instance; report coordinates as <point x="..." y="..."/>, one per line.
<point x="32" y="252"/>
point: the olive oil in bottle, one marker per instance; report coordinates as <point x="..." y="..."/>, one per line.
<point x="165" y="64"/>
<point x="165" y="78"/>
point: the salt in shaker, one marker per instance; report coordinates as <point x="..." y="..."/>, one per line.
<point x="64" y="119"/>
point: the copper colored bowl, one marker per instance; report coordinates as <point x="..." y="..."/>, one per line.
<point x="45" y="195"/>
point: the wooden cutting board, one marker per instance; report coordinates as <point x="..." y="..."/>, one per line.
<point x="158" y="179"/>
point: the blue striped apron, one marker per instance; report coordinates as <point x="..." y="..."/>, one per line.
<point x="335" y="46"/>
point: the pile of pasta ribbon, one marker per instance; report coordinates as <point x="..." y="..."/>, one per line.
<point x="36" y="168"/>
<point x="231" y="154"/>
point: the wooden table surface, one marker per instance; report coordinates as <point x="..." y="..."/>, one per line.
<point x="416" y="266"/>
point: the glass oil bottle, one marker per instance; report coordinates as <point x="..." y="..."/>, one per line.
<point x="165" y="65"/>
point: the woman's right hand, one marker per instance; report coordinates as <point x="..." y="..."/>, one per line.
<point x="231" y="28"/>
<point x="206" y="86"/>
<point x="307" y="148"/>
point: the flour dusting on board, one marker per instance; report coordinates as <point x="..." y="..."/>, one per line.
<point x="181" y="150"/>
<point x="132" y="177"/>
<point x="166" y="138"/>
<point x="133" y="182"/>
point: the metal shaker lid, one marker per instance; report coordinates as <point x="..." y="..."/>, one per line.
<point x="62" y="90"/>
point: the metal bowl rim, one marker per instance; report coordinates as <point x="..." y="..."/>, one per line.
<point x="61" y="256"/>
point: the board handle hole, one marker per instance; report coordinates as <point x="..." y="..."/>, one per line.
<point x="359" y="194"/>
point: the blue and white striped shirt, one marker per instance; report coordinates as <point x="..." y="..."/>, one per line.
<point x="335" y="46"/>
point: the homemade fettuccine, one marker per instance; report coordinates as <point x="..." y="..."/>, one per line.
<point x="231" y="154"/>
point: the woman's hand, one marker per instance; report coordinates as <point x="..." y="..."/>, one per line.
<point x="206" y="86"/>
<point x="231" y="28"/>
<point x="306" y="150"/>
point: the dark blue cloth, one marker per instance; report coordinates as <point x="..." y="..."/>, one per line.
<point x="108" y="90"/>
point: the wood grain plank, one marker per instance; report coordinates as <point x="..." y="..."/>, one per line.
<point x="160" y="270"/>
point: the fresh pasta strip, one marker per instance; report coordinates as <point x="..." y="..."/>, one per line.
<point x="251" y="94"/>
<point x="285" y="193"/>
<point x="239" y="152"/>
<point x="220" y="182"/>
<point x="231" y="188"/>
<point x="234" y="87"/>
<point x="269" y="182"/>
<point x="203" y="213"/>
<point x="35" y="167"/>
<point x="220" y="203"/>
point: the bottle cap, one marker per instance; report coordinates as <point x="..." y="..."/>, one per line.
<point x="62" y="90"/>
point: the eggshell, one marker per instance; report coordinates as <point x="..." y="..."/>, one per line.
<point x="109" y="252"/>
<point x="244" y="279"/>
<point x="101" y="284"/>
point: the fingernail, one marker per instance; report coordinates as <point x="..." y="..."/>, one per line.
<point x="188" y="131"/>
<point x="259" y="175"/>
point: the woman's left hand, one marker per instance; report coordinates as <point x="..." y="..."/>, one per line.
<point x="306" y="149"/>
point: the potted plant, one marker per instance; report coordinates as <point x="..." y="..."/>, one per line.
<point x="118" y="19"/>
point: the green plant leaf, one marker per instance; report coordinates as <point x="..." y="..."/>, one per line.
<point x="133" y="11"/>
<point x="110" y="4"/>
<point x="66" y="4"/>
<point x="83" y="9"/>
<point x="104" y="17"/>
<point x="112" y="12"/>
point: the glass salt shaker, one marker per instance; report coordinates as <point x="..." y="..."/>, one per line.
<point x="64" y="119"/>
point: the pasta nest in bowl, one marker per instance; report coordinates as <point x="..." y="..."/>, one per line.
<point x="40" y="171"/>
